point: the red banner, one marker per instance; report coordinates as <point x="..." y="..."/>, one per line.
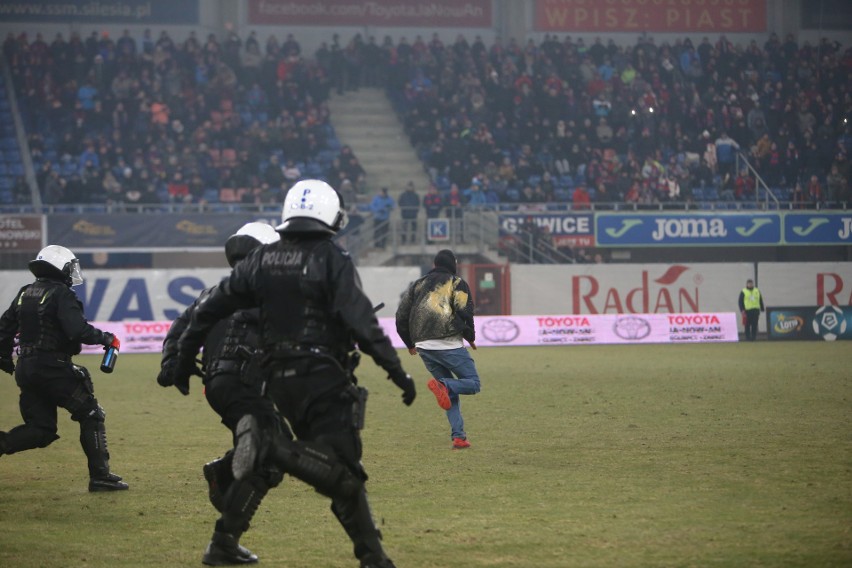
<point x="710" y="16"/>
<point x="401" y="13"/>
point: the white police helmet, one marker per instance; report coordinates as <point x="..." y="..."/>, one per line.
<point x="260" y="231"/>
<point x="247" y="238"/>
<point x="312" y="200"/>
<point x="57" y="261"/>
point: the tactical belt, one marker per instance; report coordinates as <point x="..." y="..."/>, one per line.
<point x="286" y="347"/>
<point x="30" y="351"/>
<point x="229" y="366"/>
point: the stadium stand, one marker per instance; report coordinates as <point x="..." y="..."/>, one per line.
<point x="550" y="126"/>
<point x="119" y="123"/>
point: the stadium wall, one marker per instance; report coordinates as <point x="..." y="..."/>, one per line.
<point x="160" y="295"/>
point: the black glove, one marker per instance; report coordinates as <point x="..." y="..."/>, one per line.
<point x="404" y="381"/>
<point x="166" y="376"/>
<point x="108" y="338"/>
<point x="7" y="365"/>
<point x="180" y="373"/>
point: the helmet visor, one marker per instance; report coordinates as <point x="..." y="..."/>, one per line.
<point x="74" y="272"/>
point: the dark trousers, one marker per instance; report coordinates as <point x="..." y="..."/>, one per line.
<point x="231" y="397"/>
<point x="752" y="317"/>
<point x="47" y="382"/>
<point x="409" y="230"/>
<point x="315" y="397"/>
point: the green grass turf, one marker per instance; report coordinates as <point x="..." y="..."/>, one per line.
<point x="601" y="456"/>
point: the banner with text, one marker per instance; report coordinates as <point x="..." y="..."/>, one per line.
<point x="805" y="283"/>
<point x="828" y="323"/>
<point x="138" y="12"/>
<point x="502" y="331"/>
<point x="140" y="233"/>
<point x="818" y="228"/>
<point x="717" y="16"/>
<point x="687" y="229"/>
<point x="21" y="233"/>
<point x="565" y="229"/>
<point x="628" y="288"/>
<point x="398" y="13"/>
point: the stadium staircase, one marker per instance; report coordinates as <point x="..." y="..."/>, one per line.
<point x="366" y="121"/>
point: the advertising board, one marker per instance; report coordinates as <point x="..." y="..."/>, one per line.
<point x="139" y="12"/>
<point x="728" y="16"/>
<point x="627" y="288"/>
<point x="402" y="13"/>
<point x="687" y="229"/>
<point x="564" y="229"/>
<point x="828" y="323"/>
<point x="503" y="331"/>
<point x="818" y="228"/>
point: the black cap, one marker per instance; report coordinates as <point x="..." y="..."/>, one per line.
<point x="446" y="259"/>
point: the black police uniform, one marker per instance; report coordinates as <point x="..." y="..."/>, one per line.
<point x="312" y="309"/>
<point x="49" y="318"/>
<point x="233" y="387"/>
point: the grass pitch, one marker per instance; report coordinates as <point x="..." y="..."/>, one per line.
<point x="587" y="456"/>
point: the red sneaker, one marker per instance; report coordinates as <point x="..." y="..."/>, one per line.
<point x="460" y="444"/>
<point x="441" y="393"/>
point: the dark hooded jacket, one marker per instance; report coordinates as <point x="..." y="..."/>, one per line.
<point x="437" y="306"/>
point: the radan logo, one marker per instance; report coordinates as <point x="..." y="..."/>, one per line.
<point x="671" y="292"/>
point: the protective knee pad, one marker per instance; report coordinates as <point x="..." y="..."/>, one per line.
<point x="318" y="466"/>
<point x="88" y="411"/>
<point x="241" y="502"/>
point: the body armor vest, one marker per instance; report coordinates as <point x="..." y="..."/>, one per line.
<point x="231" y="342"/>
<point x="38" y="320"/>
<point x="296" y="312"/>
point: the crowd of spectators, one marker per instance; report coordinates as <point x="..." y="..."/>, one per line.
<point x="596" y="125"/>
<point x="150" y="120"/>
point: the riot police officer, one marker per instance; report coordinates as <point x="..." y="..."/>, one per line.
<point x="48" y="319"/>
<point x="312" y="309"/>
<point x="233" y="389"/>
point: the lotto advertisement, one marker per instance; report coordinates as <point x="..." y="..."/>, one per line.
<point x="825" y="323"/>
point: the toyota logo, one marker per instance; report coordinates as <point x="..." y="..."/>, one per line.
<point x="632" y="328"/>
<point x="501" y="330"/>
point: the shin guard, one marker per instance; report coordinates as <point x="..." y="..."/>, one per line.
<point x="356" y="519"/>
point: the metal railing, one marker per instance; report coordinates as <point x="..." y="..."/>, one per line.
<point x="742" y="162"/>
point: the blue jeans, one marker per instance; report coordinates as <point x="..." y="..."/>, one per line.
<point x="443" y="364"/>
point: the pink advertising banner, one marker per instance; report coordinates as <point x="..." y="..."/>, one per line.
<point x="397" y="13"/>
<point x="498" y="331"/>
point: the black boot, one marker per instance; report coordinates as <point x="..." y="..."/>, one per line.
<point x="219" y="478"/>
<point x="93" y="441"/>
<point x="224" y="550"/>
<point x="108" y="482"/>
<point x="357" y="520"/>
<point x="2" y="443"/>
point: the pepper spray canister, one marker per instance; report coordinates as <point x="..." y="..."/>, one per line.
<point x="110" y="356"/>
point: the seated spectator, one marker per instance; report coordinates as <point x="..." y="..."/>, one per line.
<point x="814" y="190"/>
<point x="581" y="198"/>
